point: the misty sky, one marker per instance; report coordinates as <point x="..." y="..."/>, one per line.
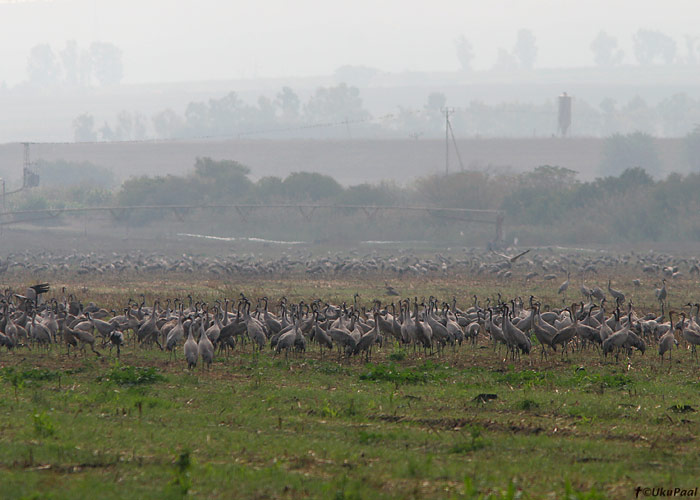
<point x="188" y="40"/>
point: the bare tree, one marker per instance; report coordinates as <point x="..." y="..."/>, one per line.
<point x="465" y="52"/>
<point x="651" y="46"/>
<point x="525" y="50"/>
<point x="42" y="67"/>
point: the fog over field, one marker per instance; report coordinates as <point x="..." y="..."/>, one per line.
<point x="376" y="99"/>
<point x="187" y="40"/>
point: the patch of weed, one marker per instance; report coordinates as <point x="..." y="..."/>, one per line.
<point x="527" y="404"/>
<point x="523" y="378"/>
<point x="328" y="411"/>
<point x="9" y="373"/>
<point x="43" y="425"/>
<point x="131" y="375"/>
<point x="366" y="437"/>
<point x="571" y="494"/>
<point x="331" y="369"/>
<point x="584" y="380"/>
<point x="393" y="373"/>
<point x="473" y="443"/>
<point x="181" y="480"/>
<point x="399" y="355"/>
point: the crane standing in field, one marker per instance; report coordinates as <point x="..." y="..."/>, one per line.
<point x="204" y="347"/>
<point x="661" y="293"/>
<point x="617" y="295"/>
<point x="191" y="349"/>
<point x="667" y="341"/>
<point x="564" y="286"/>
<point x="368" y="339"/>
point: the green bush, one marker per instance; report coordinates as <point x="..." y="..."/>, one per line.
<point x="132" y="375"/>
<point x="43" y="426"/>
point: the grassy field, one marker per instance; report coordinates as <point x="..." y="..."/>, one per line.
<point x="466" y="424"/>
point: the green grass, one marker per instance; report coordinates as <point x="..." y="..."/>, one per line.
<point x="393" y="373"/>
<point x="255" y="426"/>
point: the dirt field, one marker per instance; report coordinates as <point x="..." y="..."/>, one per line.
<point x="348" y="161"/>
<point x="470" y="423"/>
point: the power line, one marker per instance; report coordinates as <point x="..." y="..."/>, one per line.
<point x="295" y="128"/>
<point x="446" y="112"/>
<point x="454" y="141"/>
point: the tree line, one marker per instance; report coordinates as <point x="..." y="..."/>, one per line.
<point x="338" y="112"/>
<point x="547" y="205"/>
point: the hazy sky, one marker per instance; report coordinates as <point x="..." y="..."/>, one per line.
<point x="185" y="40"/>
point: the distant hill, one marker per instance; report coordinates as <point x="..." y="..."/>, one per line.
<point x="47" y="114"/>
<point x="348" y="161"/>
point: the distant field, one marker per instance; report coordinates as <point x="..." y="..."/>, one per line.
<point x="348" y="161"/>
<point x="406" y="425"/>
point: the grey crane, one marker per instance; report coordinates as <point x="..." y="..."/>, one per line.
<point x="368" y="339"/>
<point x="690" y="336"/>
<point x="39" y="333"/>
<point x="667" y="341"/>
<point x="191" y="349"/>
<point x="661" y="293"/>
<point x="104" y="328"/>
<point x="149" y="331"/>
<point x="175" y="335"/>
<point x="544" y="333"/>
<point x="597" y="293"/>
<point x="408" y="327"/>
<point x="512" y="258"/>
<point x="68" y="339"/>
<point x="288" y="339"/>
<point x="214" y="331"/>
<point x="84" y="338"/>
<point x="617" y="339"/>
<point x="564" y="286"/>
<point x="255" y="330"/>
<point x="494" y="330"/>
<point x="320" y="336"/>
<point x="617" y="295"/>
<point x="204" y="347"/>
<point x="565" y="334"/>
<point x="274" y="326"/>
<point x="515" y="338"/>
<point x="6" y="341"/>
<point x="440" y="332"/>
<point x="424" y="333"/>
<point x="116" y="338"/>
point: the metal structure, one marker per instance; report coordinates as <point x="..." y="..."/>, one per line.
<point x="450" y="133"/>
<point x="30" y="178"/>
<point x="492" y="217"/>
<point x="564" y="113"/>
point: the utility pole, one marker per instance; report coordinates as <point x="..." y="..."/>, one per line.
<point x="29" y="177"/>
<point x="447" y="112"/>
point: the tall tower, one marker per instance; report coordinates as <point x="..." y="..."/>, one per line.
<point x="29" y="177"/>
<point x="564" y="113"/>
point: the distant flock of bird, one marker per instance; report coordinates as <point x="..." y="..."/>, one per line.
<point x="543" y="264"/>
<point x="198" y="331"/>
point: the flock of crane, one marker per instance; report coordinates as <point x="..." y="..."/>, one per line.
<point x="604" y="323"/>
<point x="545" y="264"/>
